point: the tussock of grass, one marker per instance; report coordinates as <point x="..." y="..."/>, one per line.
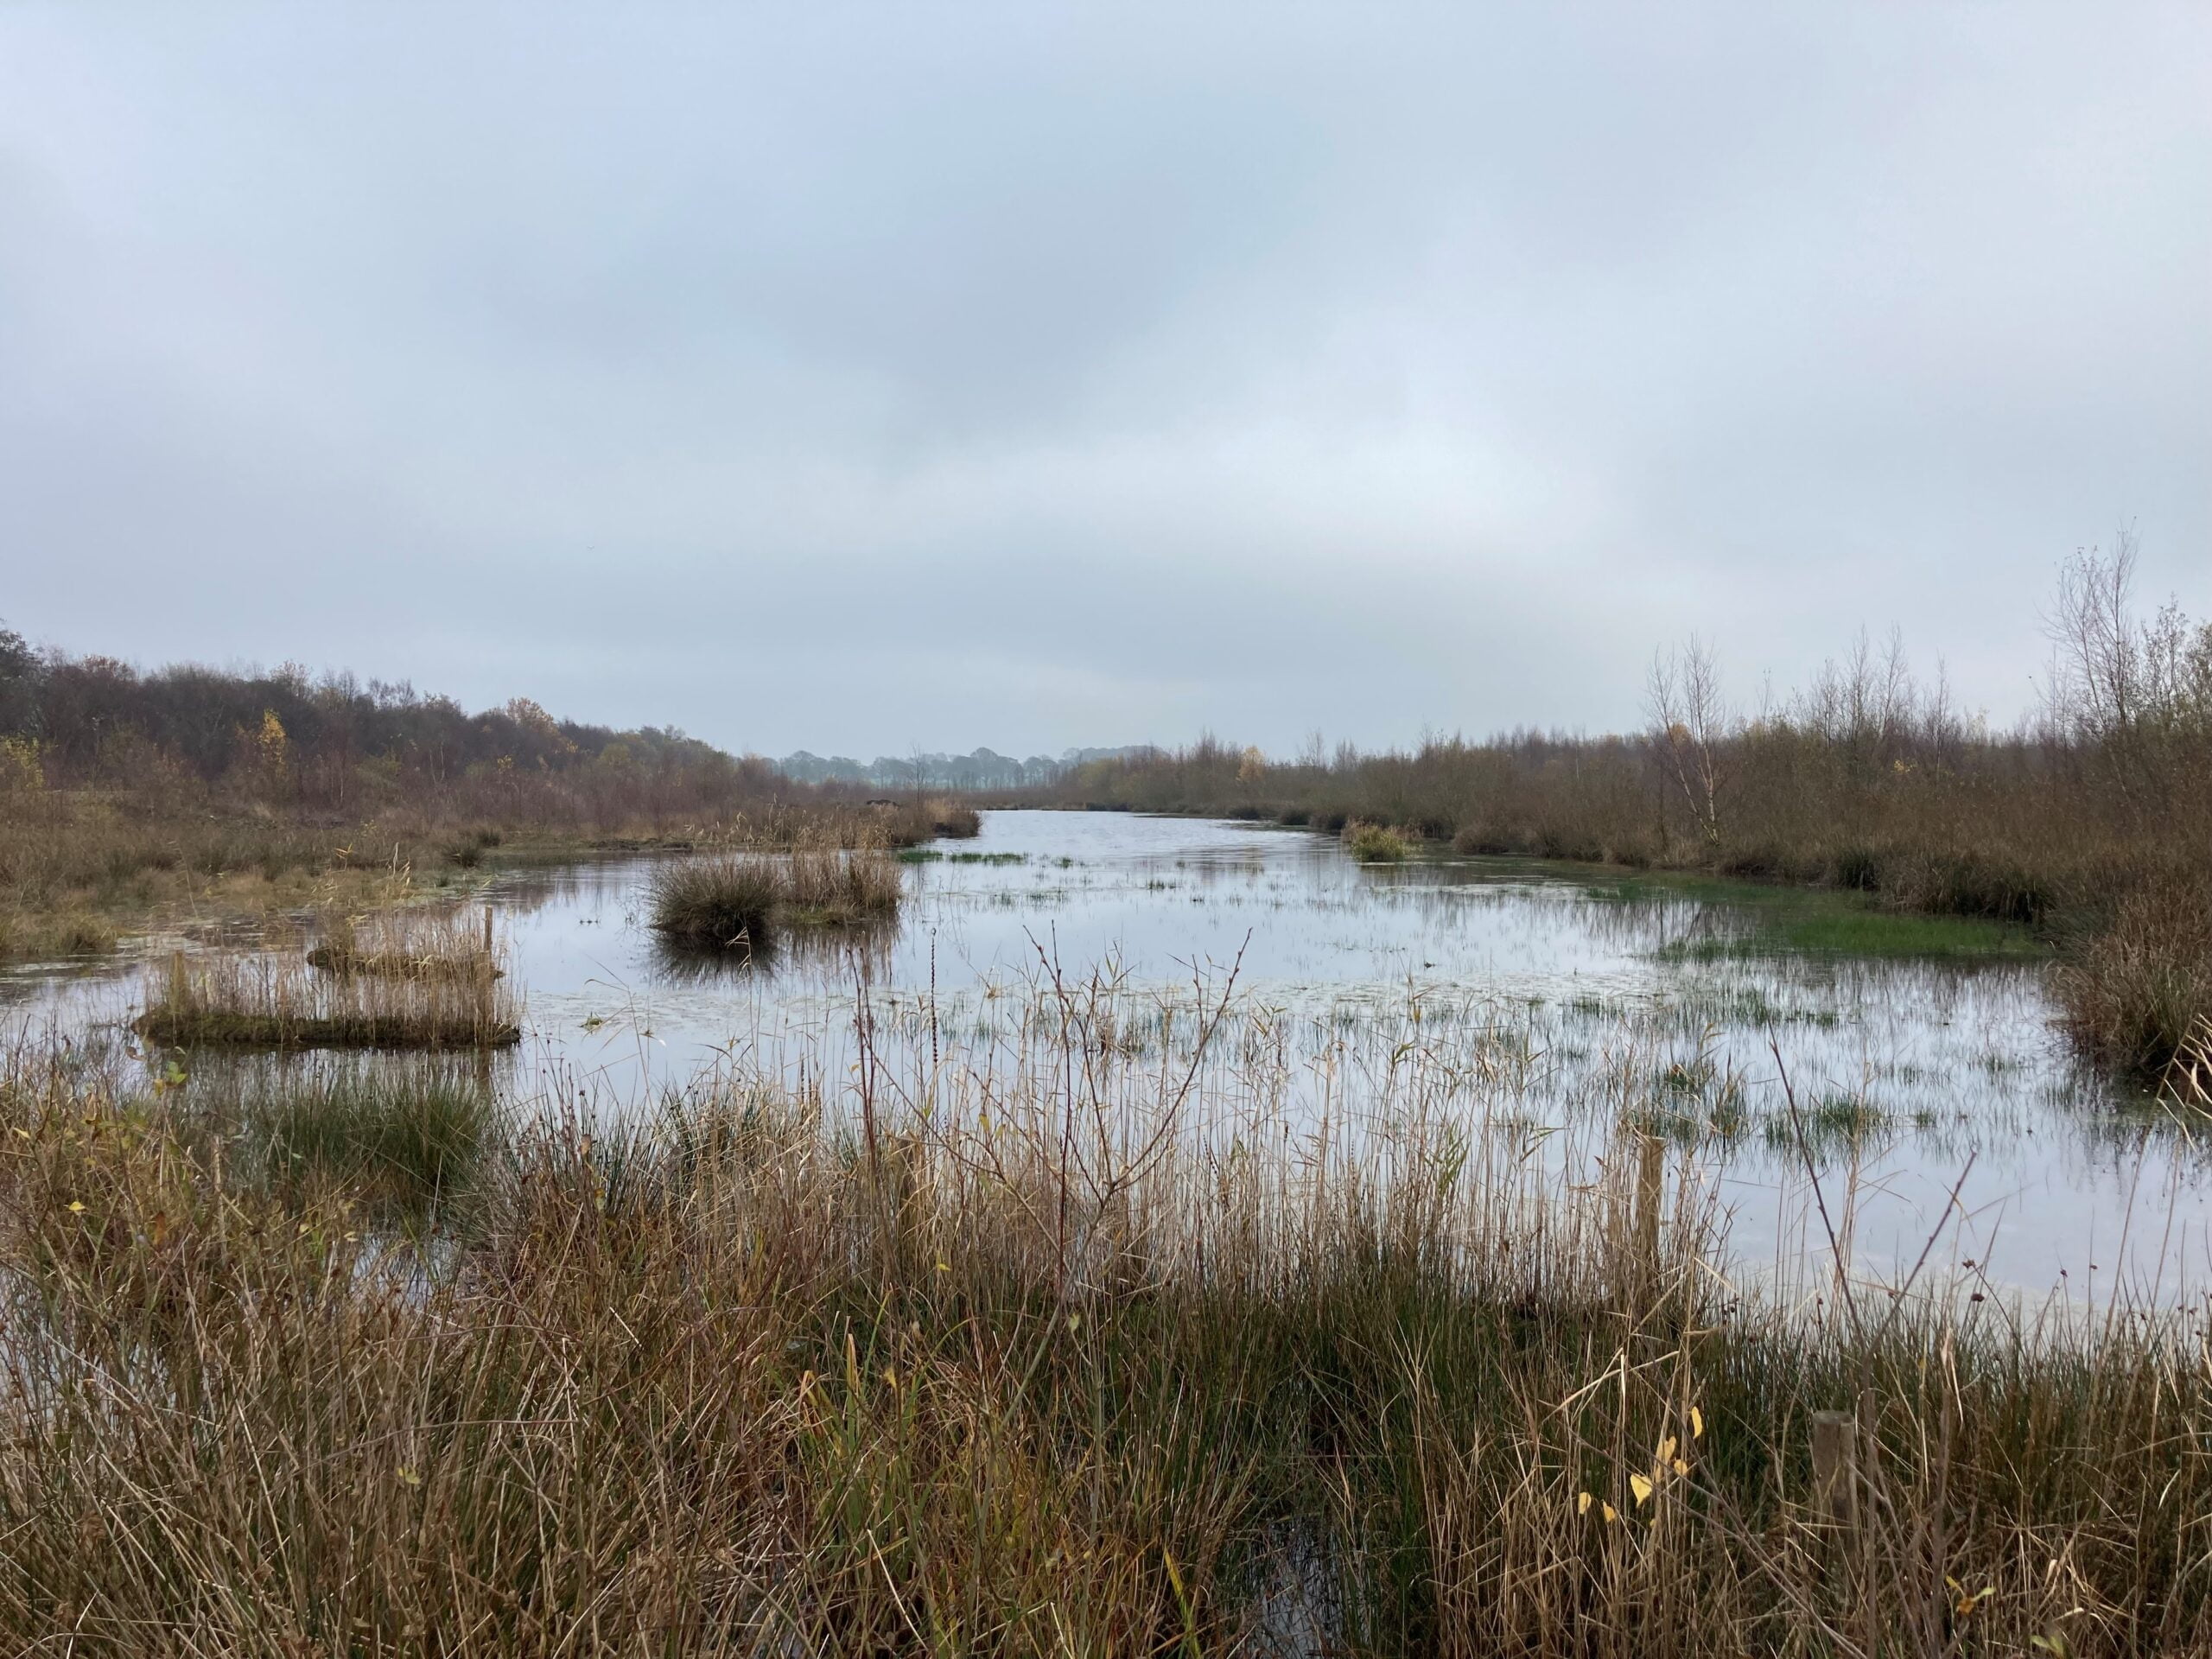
<point x="735" y="900"/>
<point x="715" y="903"/>
<point x="825" y="885"/>
<point x="398" y="1143"/>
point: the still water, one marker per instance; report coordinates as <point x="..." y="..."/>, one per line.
<point x="1647" y="1001"/>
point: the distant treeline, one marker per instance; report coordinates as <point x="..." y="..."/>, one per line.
<point x="2092" y="821"/>
<point x="984" y="769"/>
<point x="335" y="744"/>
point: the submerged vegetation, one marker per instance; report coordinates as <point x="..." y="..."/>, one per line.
<point x="2088" y="828"/>
<point x="1050" y="1346"/>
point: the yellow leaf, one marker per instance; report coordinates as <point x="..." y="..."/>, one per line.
<point x="1667" y="1449"/>
<point x="76" y="1207"/>
<point x="1611" y="1514"/>
<point x="410" y="1477"/>
<point x="1681" y="1467"/>
<point x="1582" y="1504"/>
<point x="1641" y="1487"/>
<point x="1697" y="1424"/>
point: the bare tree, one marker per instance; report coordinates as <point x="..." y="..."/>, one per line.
<point x="1691" y="722"/>
<point x="2138" y="691"/>
<point x="2096" y="684"/>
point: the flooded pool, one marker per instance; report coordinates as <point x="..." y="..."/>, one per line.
<point x="1561" y="998"/>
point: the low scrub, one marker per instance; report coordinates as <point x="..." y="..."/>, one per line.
<point x="1375" y="843"/>
<point x="916" y="822"/>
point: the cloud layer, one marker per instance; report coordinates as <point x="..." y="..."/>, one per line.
<point x="864" y="378"/>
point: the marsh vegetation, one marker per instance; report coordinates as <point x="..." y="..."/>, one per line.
<point x="135" y="802"/>
<point x="1053" y="1343"/>
<point x="2088" y="826"/>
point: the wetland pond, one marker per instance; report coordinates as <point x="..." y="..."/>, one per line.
<point x="1556" y="1001"/>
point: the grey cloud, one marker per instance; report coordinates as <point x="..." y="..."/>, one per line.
<point x="855" y="378"/>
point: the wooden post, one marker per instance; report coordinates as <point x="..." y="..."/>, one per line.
<point x="1835" y="1464"/>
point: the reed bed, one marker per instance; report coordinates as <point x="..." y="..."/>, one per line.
<point x="1064" y="1343"/>
<point x="416" y="997"/>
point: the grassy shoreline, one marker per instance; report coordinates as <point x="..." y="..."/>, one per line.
<point x="84" y="869"/>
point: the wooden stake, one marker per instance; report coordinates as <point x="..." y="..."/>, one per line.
<point x="1835" y="1463"/>
<point x="484" y="994"/>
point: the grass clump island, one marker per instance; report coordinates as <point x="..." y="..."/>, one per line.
<point x="440" y="990"/>
<point x="733" y="899"/>
<point x="982" y="1363"/>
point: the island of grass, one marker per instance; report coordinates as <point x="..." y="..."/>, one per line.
<point x="230" y="1000"/>
<point x="733" y="900"/>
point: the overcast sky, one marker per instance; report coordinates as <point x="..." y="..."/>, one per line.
<point x="862" y="378"/>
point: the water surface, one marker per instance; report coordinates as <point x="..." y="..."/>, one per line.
<point x="1579" y="994"/>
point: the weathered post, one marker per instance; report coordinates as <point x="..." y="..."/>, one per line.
<point x="484" y="980"/>
<point x="1835" y="1464"/>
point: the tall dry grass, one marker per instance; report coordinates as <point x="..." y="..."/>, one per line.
<point x="1069" y="1343"/>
